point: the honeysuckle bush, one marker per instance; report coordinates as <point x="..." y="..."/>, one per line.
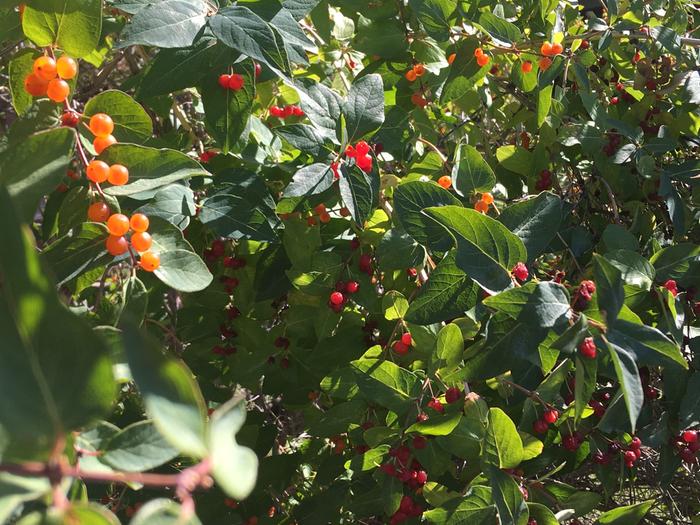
<point x="390" y="261"/>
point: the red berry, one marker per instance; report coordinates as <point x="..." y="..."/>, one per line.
<point x="571" y="442"/>
<point x="520" y="272"/>
<point x="352" y="287"/>
<point x="400" y="348"/>
<point x="236" y="82"/>
<point x="412" y="272"/>
<point x="419" y="442"/>
<point x="224" y="80"/>
<point x="453" y="395"/>
<point x="687" y="455"/>
<point x="630" y="457"/>
<point x="614" y="101"/>
<point x="690" y="436"/>
<point x="635" y="443"/>
<point x="258" y="69"/>
<point x="598" y="408"/>
<point x="407" y="339"/>
<point x="70" y="119"/>
<point x="550" y="416"/>
<point x="362" y="148"/>
<point x="337" y="298"/>
<point x="540" y="426"/>
<point x="436" y="405"/>
<point x="276" y="111"/>
<point x="600" y="458"/>
<point x="587" y="348"/>
<point x="671" y="286"/>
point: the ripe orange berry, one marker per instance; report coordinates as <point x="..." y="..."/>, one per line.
<point x="45" y="68"/>
<point x="139" y="222"/>
<point x="150" y="261"/>
<point x="319" y="209"/>
<point x="557" y="48"/>
<point x="118" y="175"/>
<point x="325" y="217"/>
<point x="116" y="245"/>
<point x="66" y="67"/>
<point x="451" y="58"/>
<point x="118" y="224"/>
<point x="98" y="212"/>
<point x="344" y="212"/>
<point x="482" y="60"/>
<point x="58" y="90"/>
<point x="141" y="241"/>
<point x="546" y="49"/>
<point x="478" y="52"/>
<point x="445" y="181"/>
<point x="526" y="67"/>
<point x="102" y="143"/>
<point x="487" y="198"/>
<point x="101" y="125"/>
<point x="545" y="63"/>
<point x="481" y="206"/>
<point x="410" y="75"/>
<point x="97" y="171"/>
<point x="35" y="86"/>
<point x="419" y="70"/>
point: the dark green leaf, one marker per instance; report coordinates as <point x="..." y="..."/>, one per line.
<point x="136" y="448"/>
<point x="310" y="180"/>
<point x="610" y="292"/>
<point x="131" y="122"/>
<point x="471" y="173"/>
<point x="72" y="25"/>
<point x="168" y="23"/>
<point x="359" y="191"/>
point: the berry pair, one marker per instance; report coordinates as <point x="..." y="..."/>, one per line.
<point x="234" y="81"/>
<point x="48" y="78"/>
<point x="482" y="205"/>
<point x="403" y="345"/>
<point x="360" y="152"/>
<point x="119" y="226"/>
<point x="551" y="49"/>
<point x="417" y="99"/>
<point x="338" y="298"/>
<point x="286" y="111"/>
<point x="417" y="71"/>
<point x="99" y="172"/>
<point x="481" y="58"/>
<point x="101" y="125"/>
<point x="549" y="417"/>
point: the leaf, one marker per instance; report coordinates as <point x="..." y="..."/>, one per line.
<point x="512" y="509"/>
<point x="585" y="386"/>
<point x="137" y="448"/>
<point x="634" y="269"/>
<point x="174" y="203"/>
<point x="499" y="28"/>
<point x="149" y="168"/>
<point x="502" y="446"/>
<point x="648" y="344"/>
<point x="543" y="304"/>
<point x="170" y="393"/>
<point x="536" y="221"/>
<point x="235" y="468"/>
<point x="394" y="305"/>
<point x="630" y="382"/>
<point x="72" y="25"/>
<point x="236" y="217"/>
<point x="450" y="344"/>
<point x="20" y="66"/>
<point x="448" y="293"/>
<point x="321" y="105"/>
<point x="473" y="509"/>
<point x="439" y="425"/>
<point x="227" y="111"/>
<point x="689" y="413"/>
<point x="486" y="250"/>
<point x="434" y="15"/>
<point x="383" y="38"/>
<point x="359" y="191"/>
<point x="544" y="103"/>
<point x="56" y="374"/>
<point x="310" y="180"/>
<point x="471" y="173"/>
<point x="626" y="515"/>
<point x="385" y="383"/>
<point x="464" y="73"/>
<point x="166" y="24"/>
<point x="410" y="199"/>
<point x="305" y="138"/>
<point x="80" y="250"/>
<point x="516" y="159"/>
<point x="131" y="122"/>
<point x="36" y="166"/>
<point x="364" y="107"/>
<point x="162" y="512"/>
<point x="610" y="292"/>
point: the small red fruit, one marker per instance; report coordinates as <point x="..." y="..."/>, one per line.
<point x="520" y="272"/>
<point x="116" y="245"/>
<point x="671" y="286"/>
<point x="352" y="287"/>
<point x="690" y="436"/>
<point x="236" y="82"/>
<point x="540" y="426"/>
<point x="587" y="348"/>
<point x="407" y="339"/>
<point x="337" y="298"/>
<point x="400" y="348"/>
<point x="452" y="395"/>
<point x="98" y="212"/>
<point x="550" y="416"/>
<point x="526" y="66"/>
<point x="224" y="80"/>
<point x="150" y="261"/>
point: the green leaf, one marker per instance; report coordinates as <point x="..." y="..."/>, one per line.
<point x="610" y="292"/>
<point x="162" y="512"/>
<point x="36" y="166"/>
<point x="131" y="122"/>
<point x="486" y="250"/>
<point x="409" y="201"/>
<point x="235" y="468"/>
<point x="394" y="305"/>
<point x="634" y="269"/>
<point x="174" y="203"/>
<point x="499" y="28"/>
<point x="439" y="425"/>
<point x="310" y="180"/>
<point x="360" y="192"/>
<point x="166" y="24"/>
<point x="473" y="509"/>
<point x="464" y="73"/>
<point x="305" y="138"/>
<point x="544" y="103"/>
<point x="544" y="304"/>
<point x="471" y="173"/>
<point x="648" y="344"/>
<point x="516" y="159"/>
<point x="72" y="25"/>
<point x="674" y="262"/>
<point x="369" y="460"/>
<point x="237" y="216"/>
<point x="536" y="221"/>
<point x="434" y="15"/>
<point x="364" y="107"/>
<point x="136" y="448"/>
<point x="626" y="515"/>
<point x="227" y="111"/>
<point x="383" y="38"/>
<point x="80" y="250"/>
<point x="20" y="66"/>
<point x="689" y="413"/>
<point x="149" y="168"/>
<point x="541" y="514"/>
<point x="502" y="446"/>
<point x="630" y="383"/>
<point x="512" y="509"/>
<point x="586" y="375"/>
<point x="450" y="345"/>
<point x="386" y="384"/>
<point x="170" y="393"/>
<point x="56" y="374"/>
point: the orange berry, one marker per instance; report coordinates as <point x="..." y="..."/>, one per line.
<point x="35" y="86"/>
<point x="487" y="198"/>
<point x="66" y="67"/>
<point x="419" y="70"/>
<point x="45" y="68"/>
<point x="325" y="217"/>
<point x="101" y="125"/>
<point x="545" y="63"/>
<point x="344" y="212"/>
<point x="118" y="175"/>
<point x="481" y="206"/>
<point x="557" y="49"/>
<point x="478" y="52"/>
<point x="419" y="100"/>
<point x="319" y="209"/>
<point x="102" y="143"/>
<point x="150" y="261"/>
<point x="526" y="67"/>
<point x="97" y="171"/>
<point x="98" y="212"/>
<point x="118" y="224"/>
<point x="139" y="222"/>
<point x="116" y="245"/>
<point x="445" y="181"/>
<point x="410" y="75"/>
<point x="311" y="221"/>
<point x="451" y="58"/>
<point x="58" y="90"/>
<point x="482" y="60"/>
<point x="141" y="241"/>
<point x="546" y="49"/>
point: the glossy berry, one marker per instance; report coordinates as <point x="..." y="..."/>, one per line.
<point x="411" y="75"/>
<point x="98" y="212"/>
<point x="419" y="100"/>
<point x="526" y="66"/>
<point x="483" y="60"/>
<point x="630" y="458"/>
<point x="150" y="261"/>
<point x="364" y="162"/>
<point x="116" y="245"/>
<point x="545" y="63"/>
<point x="57" y="90"/>
<point x="337" y="298"/>
<point x="585" y="44"/>
<point x="325" y="217"/>
<point x="420" y="442"/>
<point x="35" y="86"/>
<point x="481" y="206"/>
<point x="436" y="405"/>
<point x="258" y="69"/>
<point x="407" y="339"/>
<point x="690" y="436"/>
<point x="141" y="241"/>
<point x="102" y="143"/>
<point x="487" y="198"/>
<point x="546" y="49"/>
<point x="520" y="272"/>
<point x="540" y="426"/>
<point x="445" y="181"/>
<point x="557" y="48"/>
<point x="97" y="171"/>
<point x="598" y="408"/>
<point x="224" y="80"/>
<point x="45" y="68"/>
<point x="118" y="175"/>
<point x="70" y="119"/>
<point x="236" y="82"/>
<point x="101" y="125"/>
<point x="362" y="148"/>
<point x="453" y="394"/>
<point x="636" y="443"/>
<point x="687" y="455"/>
<point x="352" y="287"/>
<point x="66" y="67"/>
<point x="571" y="442"/>
<point x="587" y="348"/>
<point x="139" y="222"/>
<point x="671" y="286"/>
<point x="550" y="416"/>
<point x="400" y="348"/>
<point x="118" y="224"/>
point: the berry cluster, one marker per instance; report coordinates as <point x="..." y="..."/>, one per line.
<point x="233" y="82"/>
<point x="119" y="226"/>
<point x="549" y="417"/>
<point x="687" y="446"/>
<point x="417" y="71"/>
<point x="286" y="112"/>
<point x="338" y="298"/>
<point x="614" y="140"/>
<point x="584" y="294"/>
<point x="101" y="125"/>
<point x="360" y="152"/>
<point x="545" y="180"/>
<point x="48" y="78"/>
<point x="520" y="272"/>
<point x="573" y="441"/>
<point x="551" y="49"/>
<point x="481" y="58"/>
<point x="403" y="344"/>
<point x="411" y="473"/>
<point x="407" y="509"/>
<point x="482" y="205"/>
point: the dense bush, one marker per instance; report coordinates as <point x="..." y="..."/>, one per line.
<point x="349" y="261"/>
